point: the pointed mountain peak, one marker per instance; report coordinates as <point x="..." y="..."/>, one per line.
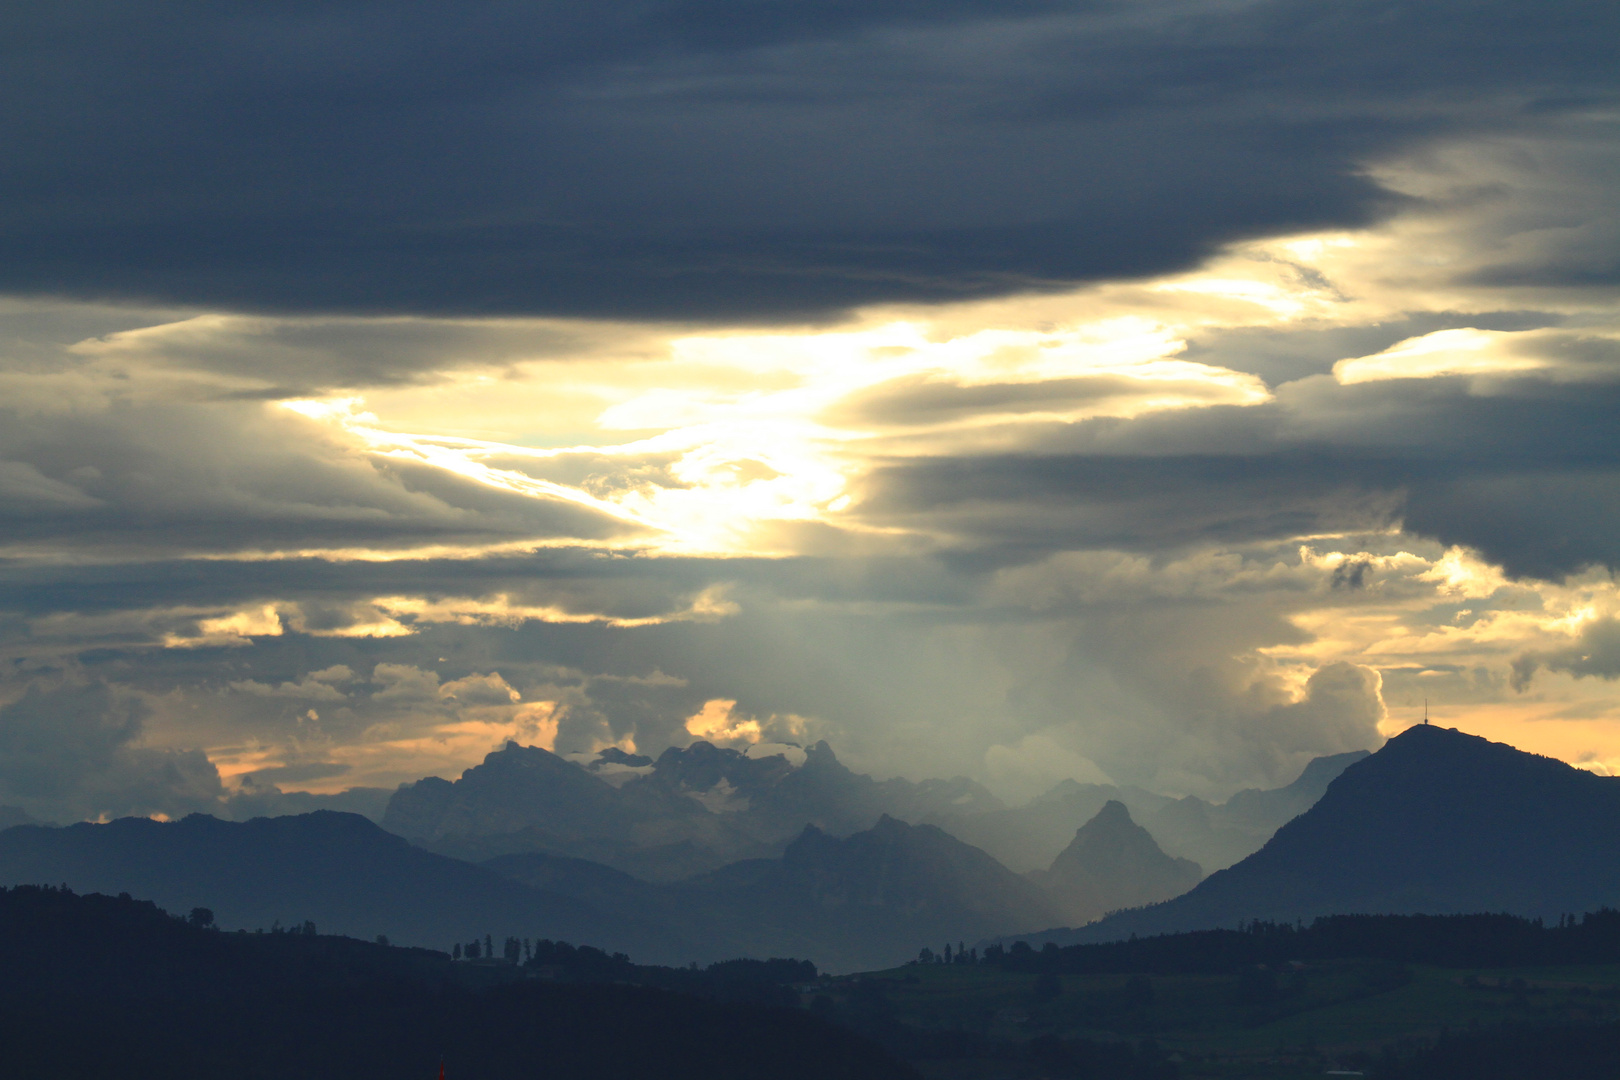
<point x="1112" y="815"/>
<point x="1114" y="863"/>
<point x="1110" y="831"/>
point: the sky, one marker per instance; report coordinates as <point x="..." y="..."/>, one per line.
<point x="1159" y="393"/>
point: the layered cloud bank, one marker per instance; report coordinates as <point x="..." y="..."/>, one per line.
<point x="1166" y="395"/>
<point x="739" y="160"/>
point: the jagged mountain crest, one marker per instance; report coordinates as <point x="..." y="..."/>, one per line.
<point x="912" y="867"/>
<point x="692" y="809"/>
<point x="865" y="901"/>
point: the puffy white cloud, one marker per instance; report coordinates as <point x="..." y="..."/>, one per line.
<point x="719" y="722"/>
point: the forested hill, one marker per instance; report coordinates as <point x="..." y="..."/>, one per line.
<point x="1440" y="940"/>
<point x="98" y="987"/>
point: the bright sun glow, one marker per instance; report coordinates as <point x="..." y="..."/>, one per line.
<point x="799" y="416"/>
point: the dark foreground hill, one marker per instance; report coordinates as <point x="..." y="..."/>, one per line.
<point x="337" y="870"/>
<point x="98" y="987"/>
<point x="1358" y="995"/>
<point x="1438" y="822"/>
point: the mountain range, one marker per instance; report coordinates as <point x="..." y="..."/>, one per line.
<point x="697" y="808"/>
<point x="1437" y="822"/>
<point x="865" y="901"/>
<point x="1214" y="835"/>
<point x="339" y="871"/>
<point x="692" y="810"/>
<point x="700" y="855"/>
<point x="870" y="900"/>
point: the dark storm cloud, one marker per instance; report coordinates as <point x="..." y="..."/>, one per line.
<point x="617" y="586"/>
<point x="702" y="160"/>
<point x="1525" y="473"/>
<point x="1595" y="653"/>
<point x="72" y="751"/>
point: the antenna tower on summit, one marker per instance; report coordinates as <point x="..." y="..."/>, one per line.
<point x="1425" y="711"/>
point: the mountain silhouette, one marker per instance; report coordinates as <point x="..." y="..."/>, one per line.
<point x="1436" y="822"/>
<point x="871" y="900"/>
<point x="697" y="808"/>
<point x="1214" y="835"/>
<point x="1218" y="835"/>
<point x="691" y="811"/>
<point x="337" y="870"/>
<point x="1113" y="863"/>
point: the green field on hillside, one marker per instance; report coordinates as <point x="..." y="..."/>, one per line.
<point x="1291" y="1020"/>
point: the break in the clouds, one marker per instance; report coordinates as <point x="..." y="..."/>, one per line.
<point x="1161" y="393"/>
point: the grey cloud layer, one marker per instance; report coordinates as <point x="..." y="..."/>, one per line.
<point x="1596" y="653"/>
<point x="1524" y="471"/>
<point x="174" y="477"/>
<point x="73" y="751"/>
<point x="722" y="160"/>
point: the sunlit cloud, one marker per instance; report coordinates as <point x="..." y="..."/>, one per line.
<point x="719" y="722"/>
<point x="790" y="447"/>
<point x="1234" y="603"/>
<point x="1445" y="352"/>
